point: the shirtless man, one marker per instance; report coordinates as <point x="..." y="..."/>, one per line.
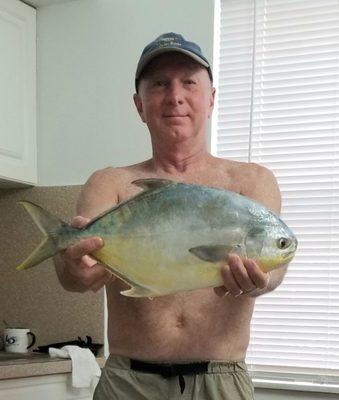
<point x="204" y="333"/>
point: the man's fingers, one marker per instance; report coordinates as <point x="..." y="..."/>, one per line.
<point x="259" y="278"/>
<point x="240" y="274"/>
<point x="96" y="277"/>
<point x="92" y="277"/>
<point x="84" y="247"/>
<point x="105" y="278"/>
<point x="230" y="283"/>
<point x="79" y="221"/>
<point x="241" y="277"/>
<point x="87" y="262"/>
<point x="80" y="266"/>
<point x="221" y="291"/>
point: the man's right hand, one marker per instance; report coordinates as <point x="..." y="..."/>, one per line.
<point x="81" y="272"/>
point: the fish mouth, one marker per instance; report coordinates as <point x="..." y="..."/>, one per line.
<point x="289" y="255"/>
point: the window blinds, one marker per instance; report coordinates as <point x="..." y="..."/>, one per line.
<point x="278" y="105"/>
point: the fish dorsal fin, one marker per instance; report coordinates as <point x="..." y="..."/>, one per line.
<point x="152" y="183"/>
<point x="146" y="184"/>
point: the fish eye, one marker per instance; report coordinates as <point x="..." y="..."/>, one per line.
<point x="283" y="243"/>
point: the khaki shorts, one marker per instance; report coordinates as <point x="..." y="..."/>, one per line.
<point x="220" y="381"/>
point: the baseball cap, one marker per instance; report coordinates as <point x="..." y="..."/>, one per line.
<point x="171" y="42"/>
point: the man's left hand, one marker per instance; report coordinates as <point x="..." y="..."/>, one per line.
<point x="242" y="277"/>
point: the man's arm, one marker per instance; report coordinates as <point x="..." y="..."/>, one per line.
<point x="245" y="277"/>
<point x="75" y="269"/>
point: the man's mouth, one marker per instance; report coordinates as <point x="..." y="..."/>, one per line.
<point x="174" y="115"/>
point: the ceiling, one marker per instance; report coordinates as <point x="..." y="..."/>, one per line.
<point x="41" y="3"/>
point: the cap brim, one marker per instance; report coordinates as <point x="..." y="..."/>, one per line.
<point x="162" y="50"/>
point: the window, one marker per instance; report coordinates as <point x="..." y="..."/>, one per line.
<point x="277" y="67"/>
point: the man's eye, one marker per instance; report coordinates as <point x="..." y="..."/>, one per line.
<point x="159" y="83"/>
<point x="189" y="81"/>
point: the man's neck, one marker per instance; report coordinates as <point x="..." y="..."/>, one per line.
<point x="179" y="162"/>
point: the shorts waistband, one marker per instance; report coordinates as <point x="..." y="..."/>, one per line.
<point x="168" y="369"/>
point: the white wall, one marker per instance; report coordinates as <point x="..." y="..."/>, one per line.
<point x="87" y="55"/>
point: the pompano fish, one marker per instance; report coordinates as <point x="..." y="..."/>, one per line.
<point x="173" y="237"/>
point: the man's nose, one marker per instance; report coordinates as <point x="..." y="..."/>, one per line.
<point x="175" y="94"/>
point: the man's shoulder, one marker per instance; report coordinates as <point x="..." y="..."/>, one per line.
<point x="255" y="181"/>
<point x="261" y="185"/>
<point x="115" y="175"/>
<point x="103" y="189"/>
<point x="248" y="171"/>
<point x="109" y="173"/>
<point x="252" y="171"/>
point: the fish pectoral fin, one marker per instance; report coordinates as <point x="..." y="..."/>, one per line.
<point x="219" y="252"/>
<point x="138" y="291"/>
<point x="151" y="183"/>
<point x="255" y="240"/>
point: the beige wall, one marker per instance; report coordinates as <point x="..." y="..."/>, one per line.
<point x="33" y="298"/>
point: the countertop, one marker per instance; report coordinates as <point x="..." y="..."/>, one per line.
<point x="36" y="364"/>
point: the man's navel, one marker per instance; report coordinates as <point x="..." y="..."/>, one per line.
<point x="180" y="321"/>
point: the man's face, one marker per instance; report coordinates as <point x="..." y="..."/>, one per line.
<point x="175" y="98"/>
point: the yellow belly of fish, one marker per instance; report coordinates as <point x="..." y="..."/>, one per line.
<point x="156" y="269"/>
<point x="268" y="264"/>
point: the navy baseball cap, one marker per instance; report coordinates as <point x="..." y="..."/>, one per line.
<point x="171" y="42"/>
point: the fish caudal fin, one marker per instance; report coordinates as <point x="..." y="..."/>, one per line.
<point x="49" y="226"/>
<point x="46" y="249"/>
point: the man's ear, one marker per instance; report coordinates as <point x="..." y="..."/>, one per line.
<point x="211" y="102"/>
<point x="138" y="105"/>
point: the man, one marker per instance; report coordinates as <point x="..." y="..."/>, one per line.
<point x="162" y="348"/>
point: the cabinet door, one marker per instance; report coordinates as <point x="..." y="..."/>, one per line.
<point x="50" y="387"/>
<point x="18" y="158"/>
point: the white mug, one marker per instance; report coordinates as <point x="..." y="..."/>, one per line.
<point x="18" y="340"/>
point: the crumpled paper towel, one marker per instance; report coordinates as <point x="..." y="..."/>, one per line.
<point x="85" y="368"/>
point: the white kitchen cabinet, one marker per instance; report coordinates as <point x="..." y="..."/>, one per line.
<point x="51" y="387"/>
<point x="18" y="158"/>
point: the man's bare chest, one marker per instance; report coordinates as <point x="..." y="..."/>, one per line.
<point x="215" y="179"/>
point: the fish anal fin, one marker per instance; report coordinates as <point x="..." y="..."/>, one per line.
<point x="217" y="253"/>
<point x="138" y="291"/>
<point x="152" y="183"/>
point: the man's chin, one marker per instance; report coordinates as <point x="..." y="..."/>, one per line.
<point x="179" y="135"/>
<point x="174" y="133"/>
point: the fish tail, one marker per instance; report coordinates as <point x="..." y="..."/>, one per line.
<point x="51" y="227"/>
